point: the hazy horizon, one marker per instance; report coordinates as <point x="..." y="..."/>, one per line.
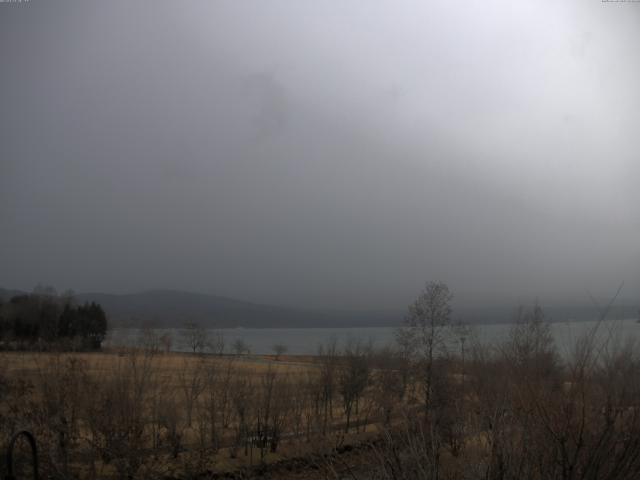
<point x="322" y="154"/>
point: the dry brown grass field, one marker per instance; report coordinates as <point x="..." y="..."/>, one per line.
<point x="30" y="364"/>
<point x="176" y="413"/>
<point x="514" y="410"/>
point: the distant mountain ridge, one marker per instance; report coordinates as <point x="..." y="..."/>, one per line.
<point x="175" y="308"/>
<point x="172" y="308"/>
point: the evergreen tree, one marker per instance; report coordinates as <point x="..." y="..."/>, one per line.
<point x="46" y="316"/>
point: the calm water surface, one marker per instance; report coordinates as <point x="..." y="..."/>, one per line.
<point x="305" y="341"/>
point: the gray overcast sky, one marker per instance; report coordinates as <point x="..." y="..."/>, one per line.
<point x="321" y="153"/>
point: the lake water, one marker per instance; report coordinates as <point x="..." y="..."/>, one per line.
<point x="305" y="341"/>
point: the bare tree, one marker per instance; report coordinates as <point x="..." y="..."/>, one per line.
<point x="530" y="347"/>
<point x="170" y="422"/>
<point x="279" y="349"/>
<point x="424" y="331"/>
<point x="353" y="378"/>
<point x="389" y="382"/>
<point x="241" y="399"/>
<point x="214" y="393"/>
<point x="195" y="337"/>
<point x="149" y="340"/>
<point x="166" y="341"/>
<point x="217" y="343"/>
<point x="328" y="358"/>
<point x="240" y="347"/>
<point x="462" y="332"/>
<point x="192" y="382"/>
<point x="115" y="412"/>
